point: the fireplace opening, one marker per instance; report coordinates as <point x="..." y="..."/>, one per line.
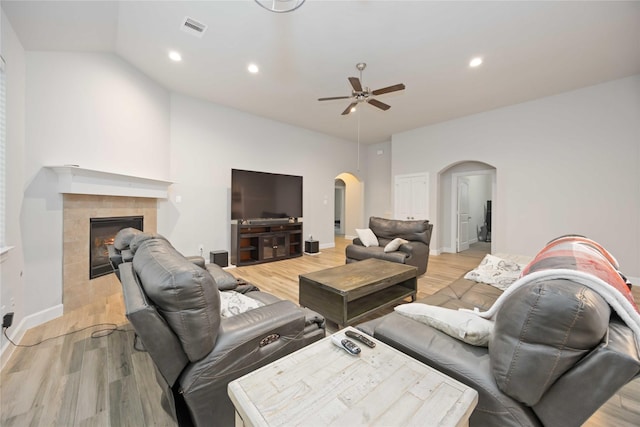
<point x="102" y="233"/>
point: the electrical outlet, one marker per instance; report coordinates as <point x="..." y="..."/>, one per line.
<point x="201" y="249"/>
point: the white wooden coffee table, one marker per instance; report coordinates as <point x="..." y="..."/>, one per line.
<point x="322" y="385"/>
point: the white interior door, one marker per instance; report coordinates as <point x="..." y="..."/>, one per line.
<point x="463" y="214"/>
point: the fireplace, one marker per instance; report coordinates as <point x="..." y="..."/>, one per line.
<point x="102" y="232"/>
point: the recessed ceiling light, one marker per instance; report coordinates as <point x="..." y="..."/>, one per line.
<point x="475" y="62"/>
<point x="253" y="68"/>
<point x="175" y="56"/>
<point x="353" y="109"/>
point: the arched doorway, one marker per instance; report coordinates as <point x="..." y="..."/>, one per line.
<point x="339" y="207"/>
<point x="459" y="228"/>
<point x="350" y="211"/>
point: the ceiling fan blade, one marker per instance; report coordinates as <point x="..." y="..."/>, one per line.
<point x="380" y="105"/>
<point x="333" y="97"/>
<point x="355" y="82"/>
<point x="388" y="89"/>
<point x="348" y="110"/>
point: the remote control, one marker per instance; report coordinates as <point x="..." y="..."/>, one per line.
<point x="348" y="345"/>
<point x="358" y="336"/>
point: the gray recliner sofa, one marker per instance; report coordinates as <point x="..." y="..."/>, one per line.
<point x="174" y="307"/>
<point x="415" y="252"/>
<point x="557" y="352"/>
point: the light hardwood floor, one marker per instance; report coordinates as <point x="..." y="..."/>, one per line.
<point x="77" y="380"/>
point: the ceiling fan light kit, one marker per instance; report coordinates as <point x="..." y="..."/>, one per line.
<point x="280" y="6"/>
<point x="364" y="94"/>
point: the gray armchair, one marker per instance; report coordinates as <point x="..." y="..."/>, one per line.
<point x="415" y="252"/>
<point x="174" y="307"/>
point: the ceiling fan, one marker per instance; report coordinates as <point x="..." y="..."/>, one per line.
<point x="364" y="94"/>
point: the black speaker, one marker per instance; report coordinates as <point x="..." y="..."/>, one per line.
<point x="220" y="258"/>
<point x="311" y="246"/>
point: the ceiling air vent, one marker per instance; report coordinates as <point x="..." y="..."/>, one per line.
<point x="193" y="27"/>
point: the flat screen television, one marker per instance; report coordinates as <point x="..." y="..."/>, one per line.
<point x="263" y="195"/>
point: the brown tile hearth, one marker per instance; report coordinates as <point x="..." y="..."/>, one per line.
<point x="78" y="289"/>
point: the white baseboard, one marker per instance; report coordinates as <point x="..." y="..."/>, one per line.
<point x="447" y="250"/>
<point x="349" y="237"/>
<point x="27" y="323"/>
<point x="327" y="245"/>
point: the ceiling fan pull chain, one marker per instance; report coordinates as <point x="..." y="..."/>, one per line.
<point x="358" y="165"/>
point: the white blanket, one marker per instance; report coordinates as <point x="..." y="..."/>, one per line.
<point x="615" y="299"/>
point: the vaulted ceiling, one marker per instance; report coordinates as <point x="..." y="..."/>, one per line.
<point x="530" y="50"/>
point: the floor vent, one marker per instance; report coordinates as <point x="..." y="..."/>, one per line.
<point x="193" y="27"/>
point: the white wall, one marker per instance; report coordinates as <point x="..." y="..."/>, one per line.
<point x="565" y="164"/>
<point x="208" y="140"/>
<point x="90" y="109"/>
<point x="12" y="264"/>
<point x="378" y="198"/>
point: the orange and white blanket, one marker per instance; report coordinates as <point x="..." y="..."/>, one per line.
<point x="583" y="261"/>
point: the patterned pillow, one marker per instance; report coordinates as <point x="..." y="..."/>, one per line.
<point x="232" y="303"/>
<point x="496" y="271"/>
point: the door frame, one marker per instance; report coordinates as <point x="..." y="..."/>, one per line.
<point x="457" y="243"/>
<point x="454" y="202"/>
<point x="340" y="192"/>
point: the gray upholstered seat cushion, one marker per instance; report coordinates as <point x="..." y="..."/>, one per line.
<point x="361" y="252"/>
<point x="224" y="280"/>
<point x="185" y="294"/>
<point x="544" y="328"/>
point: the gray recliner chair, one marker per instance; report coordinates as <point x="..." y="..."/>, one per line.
<point x="174" y="307"/>
<point x="120" y="252"/>
<point x="415" y="252"/>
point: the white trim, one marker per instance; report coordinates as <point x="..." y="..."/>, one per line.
<point x="454" y="201"/>
<point x="327" y="245"/>
<point x="4" y="253"/>
<point x="76" y="180"/>
<point x="27" y="323"/>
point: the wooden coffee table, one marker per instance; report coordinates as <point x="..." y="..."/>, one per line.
<point x="349" y="292"/>
<point x="323" y="385"/>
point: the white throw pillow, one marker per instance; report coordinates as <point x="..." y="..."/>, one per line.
<point x="232" y="303"/>
<point x="465" y="326"/>
<point x="395" y="244"/>
<point x="367" y="237"/>
<point x="495" y="271"/>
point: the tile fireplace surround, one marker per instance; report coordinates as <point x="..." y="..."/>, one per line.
<point x="78" y="290"/>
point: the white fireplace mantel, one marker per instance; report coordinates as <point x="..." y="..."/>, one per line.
<point x="77" y="180"/>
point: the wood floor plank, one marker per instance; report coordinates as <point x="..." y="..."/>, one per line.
<point x="92" y="396"/>
<point x="76" y="380"/>
<point x="149" y="392"/>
